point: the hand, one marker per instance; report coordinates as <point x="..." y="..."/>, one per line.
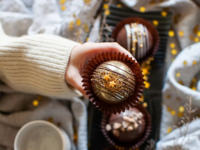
<point x="80" y="56"/>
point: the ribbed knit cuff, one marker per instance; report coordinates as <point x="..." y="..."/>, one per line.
<point x="37" y="64"/>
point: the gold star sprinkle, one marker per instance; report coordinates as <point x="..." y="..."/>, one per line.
<point x="194" y="62"/>
<point x="164" y="13"/>
<point x="78" y="22"/>
<point x="181" y="33"/>
<point x="62" y="2"/>
<point x="112" y="84"/>
<point x="151" y="58"/>
<point x="181" y="109"/>
<point x="178" y="74"/>
<point x="107" y="12"/>
<point x="168" y="96"/>
<point x="35" y="103"/>
<point x="198" y="33"/>
<point x="141" y="98"/>
<point x="169" y="130"/>
<point x="194" y="88"/>
<point x="196" y="39"/>
<point x="63" y="8"/>
<point x="145" y="71"/>
<point x="86" y="28"/>
<point x="87" y="39"/>
<point x="173" y="52"/>
<point x="119" y="5"/>
<point x="71" y="25"/>
<point x="106" y="77"/>
<point x="105" y="6"/>
<point x="145" y="104"/>
<point x="147" y="84"/>
<point x="168" y="109"/>
<point x="145" y="78"/>
<point x="171" y="33"/>
<point x="155" y="22"/>
<point x="172" y="45"/>
<point x="87" y="1"/>
<point x="180" y="82"/>
<point x="185" y="63"/>
<point x="142" y="9"/>
<point x="180" y="114"/>
<point x="173" y="112"/>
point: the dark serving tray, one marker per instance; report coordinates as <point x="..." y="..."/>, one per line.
<point x="153" y="95"/>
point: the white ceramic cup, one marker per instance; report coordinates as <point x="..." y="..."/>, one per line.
<point x="41" y="135"/>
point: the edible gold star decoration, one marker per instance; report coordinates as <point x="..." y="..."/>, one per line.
<point x="145" y="71"/>
<point x="107" y="12"/>
<point x="171" y="33"/>
<point x="168" y="109"/>
<point x="173" y="51"/>
<point x="87" y="39"/>
<point x="112" y="83"/>
<point x="169" y="130"/>
<point x="145" y="104"/>
<point x="194" y="88"/>
<point x="78" y="22"/>
<point x="147" y="84"/>
<point x="142" y="9"/>
<point x="71" y="25"/>
<point x="164" y="13"/>
<point x="178" y="99"/>
<point x="155" y="22"/>
<point x="168" y="96"/>
<point x="180" y="82"/>
<point x="63" y="8"/>
<point x="181" y="109"/>
<point x="194" y="62"/>
<point x="141" y="99"/>
<point x="86" y="28"/>
<point x="172" y="45"/>
<point x="62" y="2"/>
<point x="87" y="2"/>
<point x="119" y="5"/>
<point x="198" y="33"/>
<point x="185" y="63"/>
<point x="105" y="6"/>
<point x="180" y="114"/>
<point x="181" y="33"/>
<point x="106" y="77"/>
<point x="196" y="39"/>
<point x="35" y="103"/>
<point x="178" y="74"/>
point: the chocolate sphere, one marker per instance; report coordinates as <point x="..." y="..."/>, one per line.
<point x="113" y="81"/>
<point x="136" y="38"/>
<point x="128" y="126"/>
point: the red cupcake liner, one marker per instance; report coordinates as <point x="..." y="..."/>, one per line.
<point x="128" y="145"/>
<point x="113" y="107"/>
<point x="149" y="26"/>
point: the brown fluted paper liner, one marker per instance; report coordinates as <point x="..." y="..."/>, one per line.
<point x="149" y="26"/>
<point x="129" y="145"/>
<point x="110" y="107"/>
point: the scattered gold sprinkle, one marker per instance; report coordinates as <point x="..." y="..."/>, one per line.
<point x="63" y="8"/>
<point x="198" y="33"/>
<point x="196" y="39"/>
<point x="195" y="29"/>
<point x="181" y="109"/>
<point x="107" y="12"/>
<point x="87" y="1"/>
<point x="171" y="33"/>
<point x="71" y="25"/>
<point x="185" y="63"/>
<point x="172" y="45"/>
<point x="106" y="77"/>
<point x="112" y="84"/>
<point x="178" y="74"/>
<point x="173" y="112"/>
<point x="141" y="98"/>
<point x="168" y="96"/>
<point x="78" y="22"/>
<point x="155" y="22"/>
<point x="119" y="5"/>
<point x="180" y="114"/>
<point x="74" y="15"/>
<point x="145" y="104"/>
<point x="35" y="103"/>
<point x="105" y="6"/>
<point x="194" y="79"/>
<point x="168" y="109"/>
<point x="145" y="78"/>
<point x="164" y="13"/>
<point x="147" y="84"/>
<point x="151" y="58"/>
<point x="178" y="99"/>
<point x="180" y="82"/>
<point x="173" y="51"/>
<point x="86" y="28"/>
<point x="142" y="9"/>
<point x="87" y="39"/>
<point x="145" y="71"/>
<point x="181" y="33"/>
<point x="169" y="130"/>
<point x="62" y="2"/>
<point x="194" y="88"/>
<point x="194" y="62"/>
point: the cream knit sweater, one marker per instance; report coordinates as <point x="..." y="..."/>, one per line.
<point x="36" y="64"/>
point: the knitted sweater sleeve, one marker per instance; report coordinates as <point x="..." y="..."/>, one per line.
<point x="36" y="64"/>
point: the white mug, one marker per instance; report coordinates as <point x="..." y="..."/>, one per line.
<point x="41" y="135"/>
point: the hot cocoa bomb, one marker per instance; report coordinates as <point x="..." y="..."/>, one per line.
<point x="128" y="126"/>
<point x="136" y="38"/>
